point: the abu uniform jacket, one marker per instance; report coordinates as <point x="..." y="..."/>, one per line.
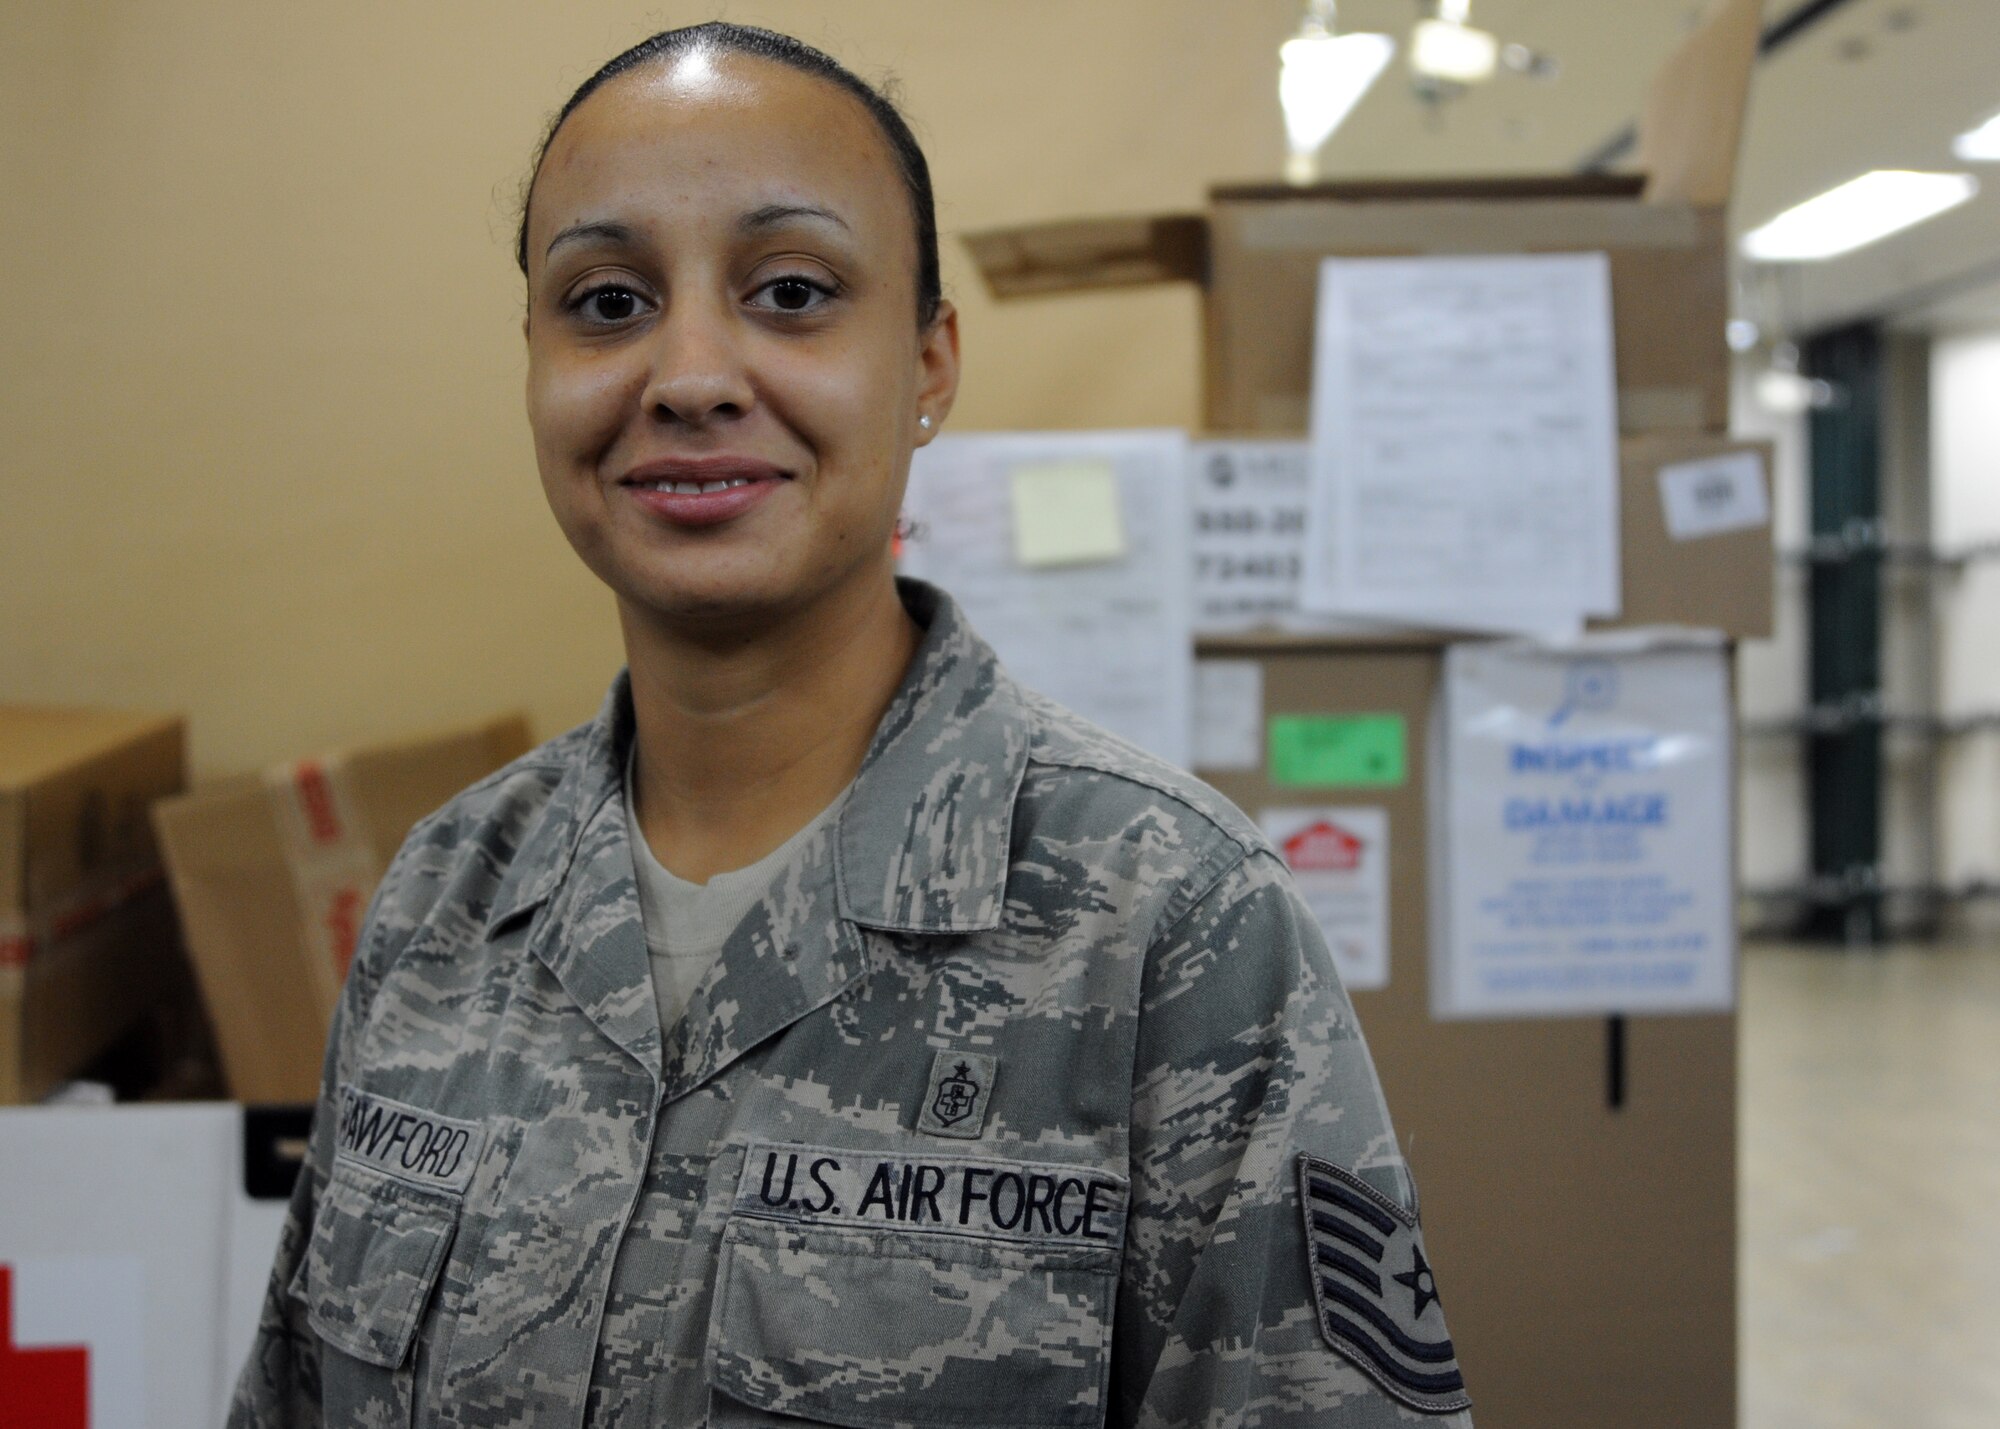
<point x="1026" y="1096"/>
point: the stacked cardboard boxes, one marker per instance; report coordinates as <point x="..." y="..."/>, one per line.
<point x="273" y="874"/>
<point x="1579" y="1178"/>
<point x="87" y="944"/>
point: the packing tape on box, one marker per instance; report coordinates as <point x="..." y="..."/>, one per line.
<point x="333" y="870"/>
<point x="24" y="935"/>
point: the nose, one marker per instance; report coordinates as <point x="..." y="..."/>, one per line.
<point x="698" y="372"/>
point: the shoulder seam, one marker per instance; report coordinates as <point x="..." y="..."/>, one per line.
<point x="450" y="810"/>
<point x="1159" y="787"/>
<point x="1172" y="919"/>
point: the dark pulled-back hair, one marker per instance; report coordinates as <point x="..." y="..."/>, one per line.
<point x="726" y="38"/>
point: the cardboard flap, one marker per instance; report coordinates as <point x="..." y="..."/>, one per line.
<point x="1500" y="188"/>
<point x="1078" y="254"/>
<point x="1693" y="120"/>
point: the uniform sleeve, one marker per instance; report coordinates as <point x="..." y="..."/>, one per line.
<point x="1267" y="1190"/>
<point x="279" y="1387"/>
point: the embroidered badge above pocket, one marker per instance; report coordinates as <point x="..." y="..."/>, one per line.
<point x="1377" y="1299"/>
<point x="957" y="1095"/>
<point x="406" y="1142"/>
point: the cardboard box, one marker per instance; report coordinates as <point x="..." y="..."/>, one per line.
<point x="1256" y="251"/>
<point x="1719" y="575"/>
<point x="273" y="873"/>
<point x="86" y="934"/>
<point x="1723" y="581"/>
<point x="1586" y="1251"/>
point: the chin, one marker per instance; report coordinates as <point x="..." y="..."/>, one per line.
<point x="709" y="596"/>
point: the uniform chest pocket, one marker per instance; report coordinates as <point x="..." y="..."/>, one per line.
<point x="378" y="1245"/>
<point x="873" y="1328"/>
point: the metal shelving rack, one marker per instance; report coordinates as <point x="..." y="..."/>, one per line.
<point x="1856" y="572"/>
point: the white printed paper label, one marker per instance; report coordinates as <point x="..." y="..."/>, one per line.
<point x="1718" y="494"/>
<point x="1229" y="716"/>
<point x="1339" y="857"/>
<point x="1587" y="837"/>
<point x="1249" y="532"/>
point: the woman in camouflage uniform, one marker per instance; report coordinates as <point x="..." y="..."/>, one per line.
<point x="832" y="1031"/>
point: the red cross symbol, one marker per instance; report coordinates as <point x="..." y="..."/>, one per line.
<point x="45" y="1388"/>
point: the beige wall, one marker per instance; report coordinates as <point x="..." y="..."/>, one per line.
<point x="266" y="457"/>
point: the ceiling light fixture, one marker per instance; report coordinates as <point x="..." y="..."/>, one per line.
<point x="1980" y="145"/>
<point x="1321" y="77"/>
<point x="1447" y="47"/>
<point x="1856" y="213"/>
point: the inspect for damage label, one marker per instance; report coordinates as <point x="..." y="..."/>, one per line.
<point x="1032" y="1202"/>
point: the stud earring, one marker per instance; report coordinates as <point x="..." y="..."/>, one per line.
<point x="924" y="422"/>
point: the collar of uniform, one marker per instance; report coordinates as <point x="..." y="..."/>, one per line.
<point x="593" y="772"/>
<point x="923" y="839"/>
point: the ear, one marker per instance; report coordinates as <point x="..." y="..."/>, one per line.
<point x="937" y="371"/>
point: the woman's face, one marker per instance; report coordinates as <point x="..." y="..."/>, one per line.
<point x="725" y="371"/>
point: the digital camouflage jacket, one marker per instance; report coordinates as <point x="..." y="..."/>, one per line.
<point x="1027" y="1096"/>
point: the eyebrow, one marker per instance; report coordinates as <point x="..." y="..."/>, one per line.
<point x="775" y="215"/>
<point x="771" y="215"/>
<point x="577" y="232"/>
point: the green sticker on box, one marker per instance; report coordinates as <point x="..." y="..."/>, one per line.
<point x="1309" y="751"/>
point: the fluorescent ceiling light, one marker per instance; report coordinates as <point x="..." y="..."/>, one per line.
<point x="1858" y="212"/>
<point x="1788" y="393"/>
<point x="1444" y="50"/>
<point x="1320" y="80"/>
<point x="1980" y="145"/>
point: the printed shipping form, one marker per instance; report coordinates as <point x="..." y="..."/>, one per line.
<point x="1465" y="443"/>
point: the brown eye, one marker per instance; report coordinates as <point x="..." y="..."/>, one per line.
<point x="792" y="294"/>
<point x="610" y="304"/>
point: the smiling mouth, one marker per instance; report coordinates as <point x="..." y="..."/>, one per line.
<point x="692" y="488"/>
<point x="697" y="493"/>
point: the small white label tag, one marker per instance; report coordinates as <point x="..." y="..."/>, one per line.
<point x="1229" y="716"/>
<point x="994" y="1199"/>
<point x="406" y="1142"/>
<point x="1717" y="494"/>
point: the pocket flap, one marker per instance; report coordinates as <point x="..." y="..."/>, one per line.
<point x="868" y="1329"/>
<point x="377" y="1247"/>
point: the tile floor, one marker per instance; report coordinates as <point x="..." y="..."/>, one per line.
<point x="1871" y="1188"/>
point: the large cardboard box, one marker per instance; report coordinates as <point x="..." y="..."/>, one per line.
<point x="1256" y="250"/>
<point x="1578" y="1183"/>
<point x="273" y="872"/>
<point x="86" y="934"/>
<point x="1256" y="255"/>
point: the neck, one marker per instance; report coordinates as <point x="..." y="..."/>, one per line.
<point x="742" y="741"/>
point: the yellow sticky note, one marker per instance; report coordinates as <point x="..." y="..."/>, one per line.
<point x="1066" y="513"/>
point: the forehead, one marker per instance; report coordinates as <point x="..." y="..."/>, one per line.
<point x="716" y="134"/>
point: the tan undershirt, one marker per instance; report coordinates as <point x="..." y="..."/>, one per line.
<point x="687" y="923"/>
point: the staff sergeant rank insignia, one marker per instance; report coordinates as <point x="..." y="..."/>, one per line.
<point x="960" y="1088"/>
<point x="1378" y="1302"/>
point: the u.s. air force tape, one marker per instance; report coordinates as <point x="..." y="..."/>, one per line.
<point x="988" y="1197"/>
<point x="1377" y="1299"/>
<point x="406" y="1142"/>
